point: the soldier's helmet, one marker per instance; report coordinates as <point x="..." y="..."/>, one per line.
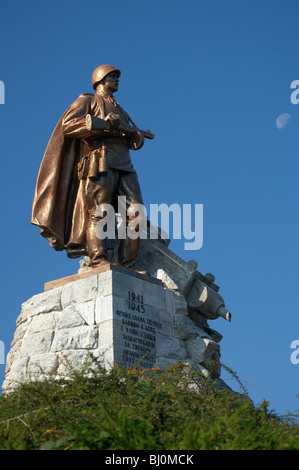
<point x="100" y="73"/>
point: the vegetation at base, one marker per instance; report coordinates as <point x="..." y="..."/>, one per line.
<point x="139" y="410"/>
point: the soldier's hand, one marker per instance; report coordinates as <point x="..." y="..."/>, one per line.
<point x="113" y="120"/>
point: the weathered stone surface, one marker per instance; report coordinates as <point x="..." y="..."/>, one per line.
<point x="22" y="318"/>
<point x="70" y="317"/>
<point x="18" y="374"/>
<point x="103" y="309"/>
<point x="36" y="343"/>
<point x="20" y="332"/>
<point x="42" y="322"/>
<point x="170" y="347"/>
<point x="80" y="337"/>
<point x="79" y="291"/>
<point x="42" y="365"/>
<point x="74" y="361"/>
<point x="12" y="355"/>
<point x="164" y="363"/>
<point x="43" y="303"/>
<point x="184" y="328"/>
<point x="179" y="276"/>
<point x="163" y="264"/>
<point x="204" y="352"/>
<point x="115" y="316"/>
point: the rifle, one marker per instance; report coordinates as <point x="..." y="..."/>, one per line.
<point x="95" y="123"/>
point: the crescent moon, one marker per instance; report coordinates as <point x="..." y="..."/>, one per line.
<point x="283" y="120"/>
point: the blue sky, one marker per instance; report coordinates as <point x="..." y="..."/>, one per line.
<point x="209" y="78"/>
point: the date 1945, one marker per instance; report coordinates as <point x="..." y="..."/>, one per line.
<point x="136" y="302"/>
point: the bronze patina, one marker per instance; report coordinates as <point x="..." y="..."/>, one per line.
<point x="87" y="163"/>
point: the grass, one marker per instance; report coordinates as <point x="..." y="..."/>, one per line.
<point x="139" y="410"/>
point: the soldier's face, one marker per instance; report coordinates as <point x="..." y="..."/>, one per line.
<point x="111" y="81"/>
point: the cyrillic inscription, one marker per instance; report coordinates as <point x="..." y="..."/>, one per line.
<point x="138" y="333"/>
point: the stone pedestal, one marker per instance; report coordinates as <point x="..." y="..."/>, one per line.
<point x="116" y="316"/>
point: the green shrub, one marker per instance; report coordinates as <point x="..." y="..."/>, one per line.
<point x="139" y="410"/>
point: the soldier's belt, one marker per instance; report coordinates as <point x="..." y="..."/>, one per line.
<point x="108" y="140"/>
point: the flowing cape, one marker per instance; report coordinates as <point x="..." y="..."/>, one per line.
<point x="57" y="200"/>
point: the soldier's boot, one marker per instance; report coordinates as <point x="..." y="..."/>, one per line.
<point x="96" y="247"/>
<point x="128" y="250"/>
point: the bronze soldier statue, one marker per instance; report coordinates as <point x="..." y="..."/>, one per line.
<point x="87" y="163"/>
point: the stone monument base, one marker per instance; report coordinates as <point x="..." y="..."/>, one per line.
<point x="114" y="315"/>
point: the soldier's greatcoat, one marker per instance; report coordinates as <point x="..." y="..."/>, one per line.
<point x="59" y="206"/>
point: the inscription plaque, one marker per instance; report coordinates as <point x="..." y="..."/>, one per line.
<point x="137" y="332"/>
